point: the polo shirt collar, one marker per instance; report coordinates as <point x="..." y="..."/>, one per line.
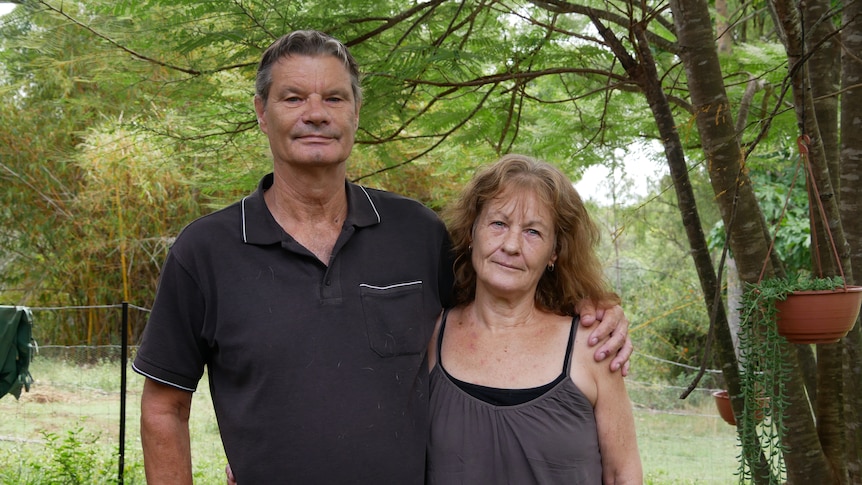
<point x="259" y="227"/>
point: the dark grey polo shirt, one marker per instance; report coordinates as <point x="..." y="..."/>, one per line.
<point x="317" y="371"/>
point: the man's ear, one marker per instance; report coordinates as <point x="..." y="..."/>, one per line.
<point x="356" y="117"/>
<point x="259" y="110"/>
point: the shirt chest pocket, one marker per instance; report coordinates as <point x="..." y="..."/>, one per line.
<point x="394" y="318"/>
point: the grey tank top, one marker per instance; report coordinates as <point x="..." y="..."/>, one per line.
<point x="548" y="440"/>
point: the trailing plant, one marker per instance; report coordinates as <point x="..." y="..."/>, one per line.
<point x="765" y="372"/>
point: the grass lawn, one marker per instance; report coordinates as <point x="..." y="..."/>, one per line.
<point x="686" y="448"/>
<point x="66" y="429"/>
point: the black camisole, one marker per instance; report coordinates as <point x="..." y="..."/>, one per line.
<point x="508" y="397"/>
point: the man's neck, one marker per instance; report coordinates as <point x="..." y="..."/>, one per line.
<point x="312" y="209"/>
<point x="310" y="196"/>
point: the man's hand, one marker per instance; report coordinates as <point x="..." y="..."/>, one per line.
<point x="231" y="480"/>
<point x="612" y="330"/>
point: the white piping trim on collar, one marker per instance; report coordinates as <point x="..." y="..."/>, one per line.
<point x="244" y="234"/>
<point x="371" y="202"/>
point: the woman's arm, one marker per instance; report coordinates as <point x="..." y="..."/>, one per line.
<point x="621" y="463"/>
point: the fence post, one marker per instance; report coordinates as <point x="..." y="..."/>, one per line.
<point x="124" y="356"/>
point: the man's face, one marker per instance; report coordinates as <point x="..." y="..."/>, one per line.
<point x="311" y="115"/>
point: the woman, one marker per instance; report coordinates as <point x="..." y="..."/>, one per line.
<point x="516" y="396"/>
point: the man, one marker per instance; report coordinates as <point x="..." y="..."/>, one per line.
<point x="310" y="302"/>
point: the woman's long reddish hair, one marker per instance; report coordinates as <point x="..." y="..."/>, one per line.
<point x="577" y="274"/>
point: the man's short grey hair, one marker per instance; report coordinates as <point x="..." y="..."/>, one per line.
<point x="305" y="43"/>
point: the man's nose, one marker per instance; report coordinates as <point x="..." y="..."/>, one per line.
<point x="315" y="111"/>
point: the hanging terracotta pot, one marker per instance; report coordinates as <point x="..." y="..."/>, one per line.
<point x="722" y="402"/>
<point x="725" y="410"/>
<point x="818" y="317"/>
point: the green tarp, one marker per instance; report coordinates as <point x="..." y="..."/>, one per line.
<point x="16" y="334"/>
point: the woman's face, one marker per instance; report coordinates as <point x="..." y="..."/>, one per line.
<point x="513" y="243"/>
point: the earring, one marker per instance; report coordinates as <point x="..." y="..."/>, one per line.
<point x="551" y="268"/>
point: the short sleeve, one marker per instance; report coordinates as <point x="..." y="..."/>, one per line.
<point x="172" y="350"/>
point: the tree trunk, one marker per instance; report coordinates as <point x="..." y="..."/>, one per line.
<point x="850" y="206"/>
<point x="827" y="234"/>
<point x="738" y="205"/>
<point x="740" y="211"/>
<point x="722" y="28"/>
<point x="643" y="73"/>
<point x="821" y="44"/>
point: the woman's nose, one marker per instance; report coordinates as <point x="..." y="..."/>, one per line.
<point x="512" y="242"/>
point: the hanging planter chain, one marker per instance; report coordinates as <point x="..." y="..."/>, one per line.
<point x="802" y="142"/>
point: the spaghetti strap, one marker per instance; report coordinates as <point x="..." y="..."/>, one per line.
<point x="440" y="337"/>
<point x="567" y="363"/>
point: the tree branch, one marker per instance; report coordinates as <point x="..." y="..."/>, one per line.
<point x="391" y="22"/>
<point x="185" y="70"/>
<point x="560" y="6"/>
<point x="443" y="138"/>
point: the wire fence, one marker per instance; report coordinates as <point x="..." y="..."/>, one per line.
<point x="89" y="388"/>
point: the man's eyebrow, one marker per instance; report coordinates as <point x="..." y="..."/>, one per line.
<point x="284" y="90"/>
<point x="344" y="93"/>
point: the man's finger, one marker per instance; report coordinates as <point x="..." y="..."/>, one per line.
<point x="621" y="360"/>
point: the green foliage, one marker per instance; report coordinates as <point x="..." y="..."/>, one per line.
<point x="151" y="102"/>
<point x="72" y="459"/>
<point x="69" y="421"/>
<point x="657" y="280"/>
<point x="763" y="376"/>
